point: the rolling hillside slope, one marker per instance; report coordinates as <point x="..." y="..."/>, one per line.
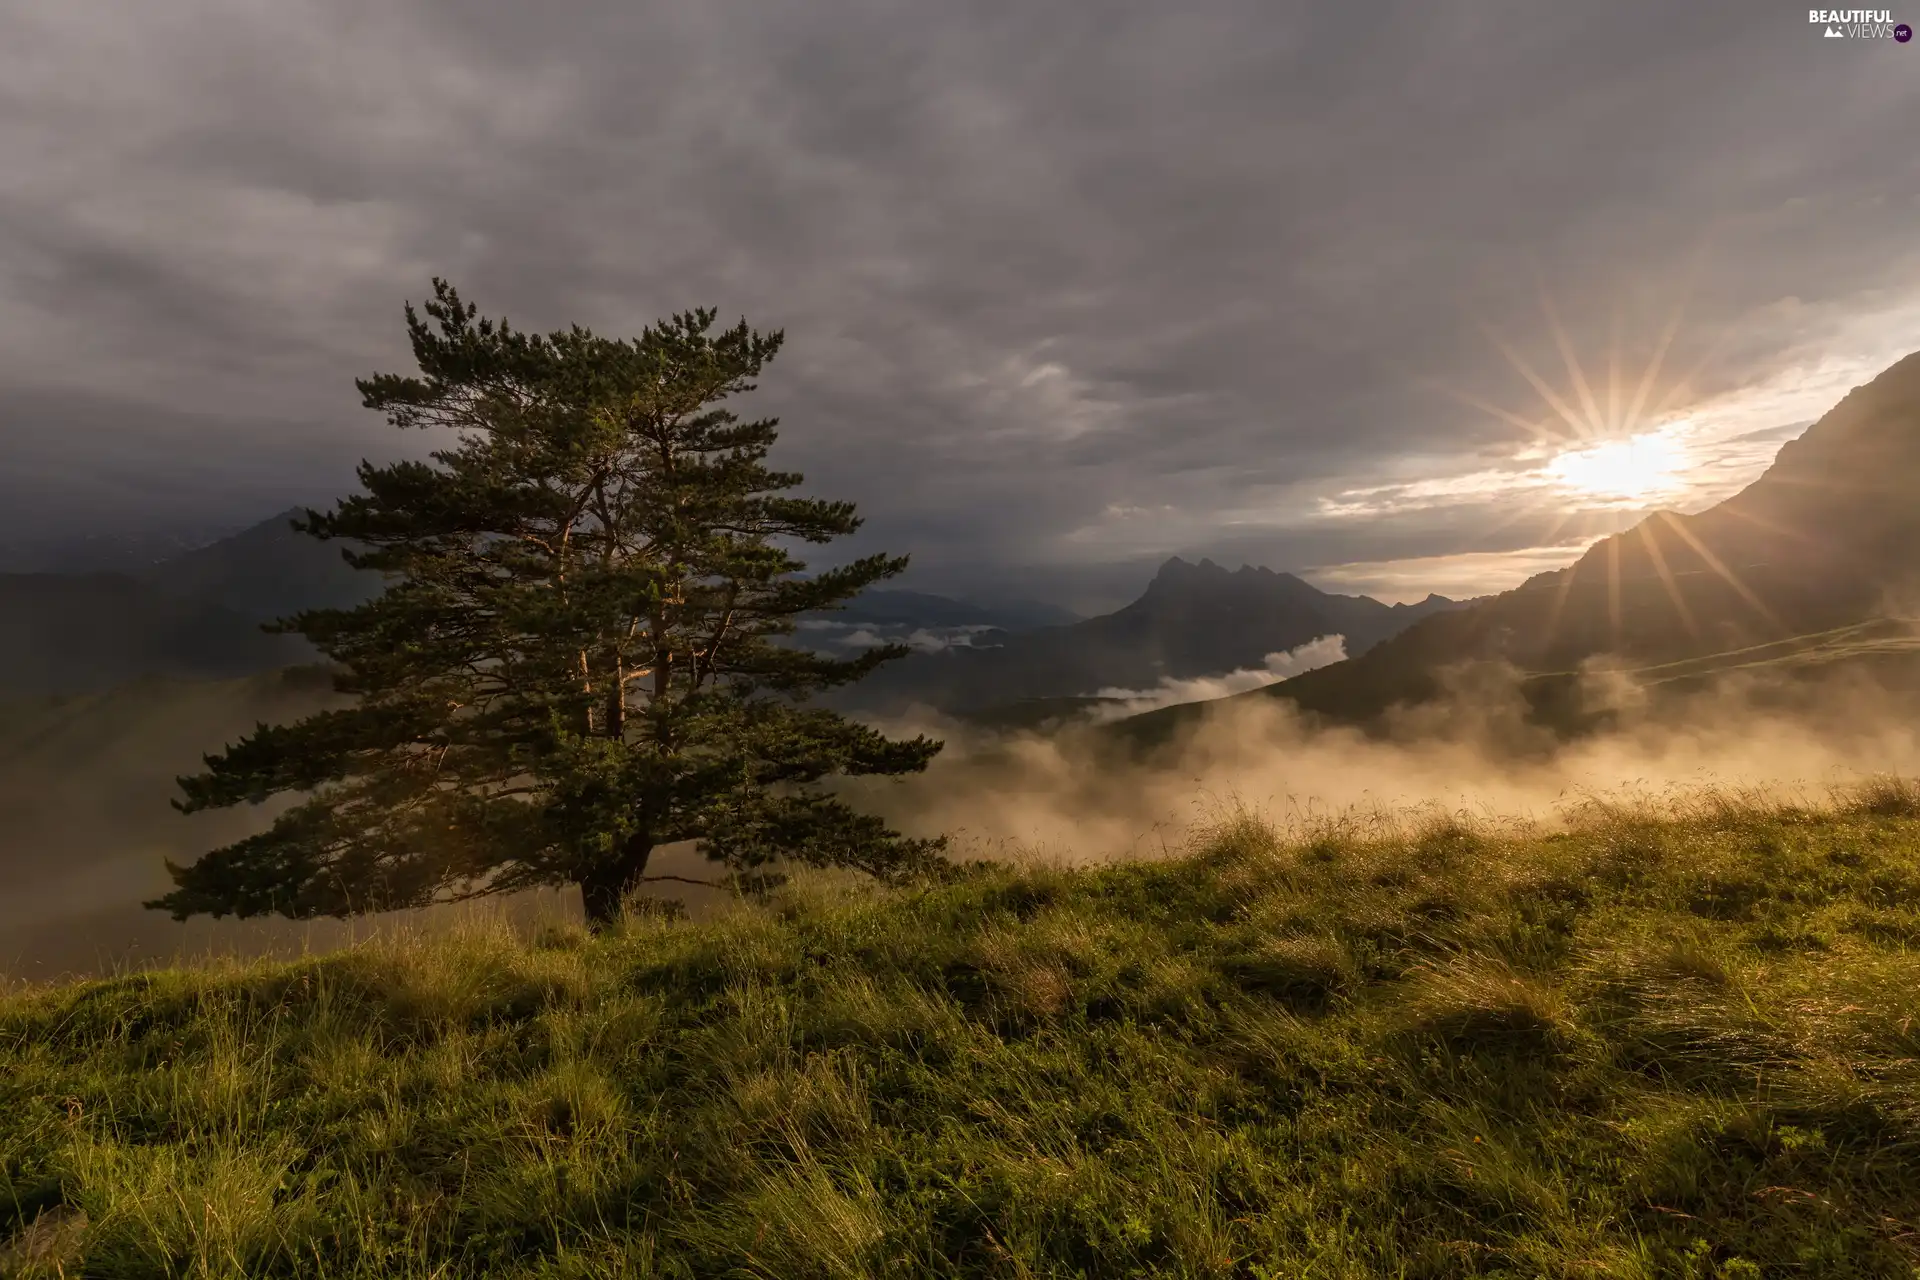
<point x="1664" y="1045"/>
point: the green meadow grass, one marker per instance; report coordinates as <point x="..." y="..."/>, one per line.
<point x="1684" y="1044"/>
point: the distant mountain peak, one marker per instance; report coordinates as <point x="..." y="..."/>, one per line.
<point x="1194" y="620"/>
<point x="1176" y="571"/>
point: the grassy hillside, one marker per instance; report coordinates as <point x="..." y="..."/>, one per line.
<point x="1675" y="1046"/>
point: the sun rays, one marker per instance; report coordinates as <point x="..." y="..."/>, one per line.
<point x="1610" y="443"/>
<point x="1611" y="420"/>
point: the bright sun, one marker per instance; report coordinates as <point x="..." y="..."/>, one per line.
<point x="1630" y="470"/>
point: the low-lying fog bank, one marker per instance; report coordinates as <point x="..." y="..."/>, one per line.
<point x="1080" y="794"/>
<point x="86" y="826"/>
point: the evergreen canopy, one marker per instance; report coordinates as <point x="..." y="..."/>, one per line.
<point x="575" y="659"/>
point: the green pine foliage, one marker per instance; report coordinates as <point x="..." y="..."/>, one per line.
<point x="577" y="655"/>
<point x="1653" y="1045"/>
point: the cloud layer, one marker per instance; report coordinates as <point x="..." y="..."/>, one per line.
<point x="1278" y="666"/>
<point x="1066" y="290"/>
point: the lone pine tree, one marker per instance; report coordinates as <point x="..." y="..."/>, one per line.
<point x="575" y="659"/>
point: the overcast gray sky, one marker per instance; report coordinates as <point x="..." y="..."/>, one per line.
<point x="1066" y="288"/>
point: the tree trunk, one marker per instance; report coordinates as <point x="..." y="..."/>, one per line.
<point x="604" y="889"/>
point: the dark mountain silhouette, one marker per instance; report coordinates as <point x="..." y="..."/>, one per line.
<point x="130" y="552"/>
<point x="267" y="571"/>
<point x="270" y="571"/>
<point x="1828" y="538"/>
<point x="198" y="614"/>
<point x="1193" y="620"/>
<point x="67" y="633"/>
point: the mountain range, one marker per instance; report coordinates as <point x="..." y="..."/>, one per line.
<point x="197" y="614"/>
<point x="1826" y="542"/>
<point x="194" y="615"/>
<point x="1192" y="621"/>
<point x="71" y="633"/>
<point x="264" y="572"/>
<point x="1827" y="539"/>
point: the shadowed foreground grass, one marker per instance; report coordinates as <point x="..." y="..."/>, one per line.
<point x="1683" y="1046"/>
